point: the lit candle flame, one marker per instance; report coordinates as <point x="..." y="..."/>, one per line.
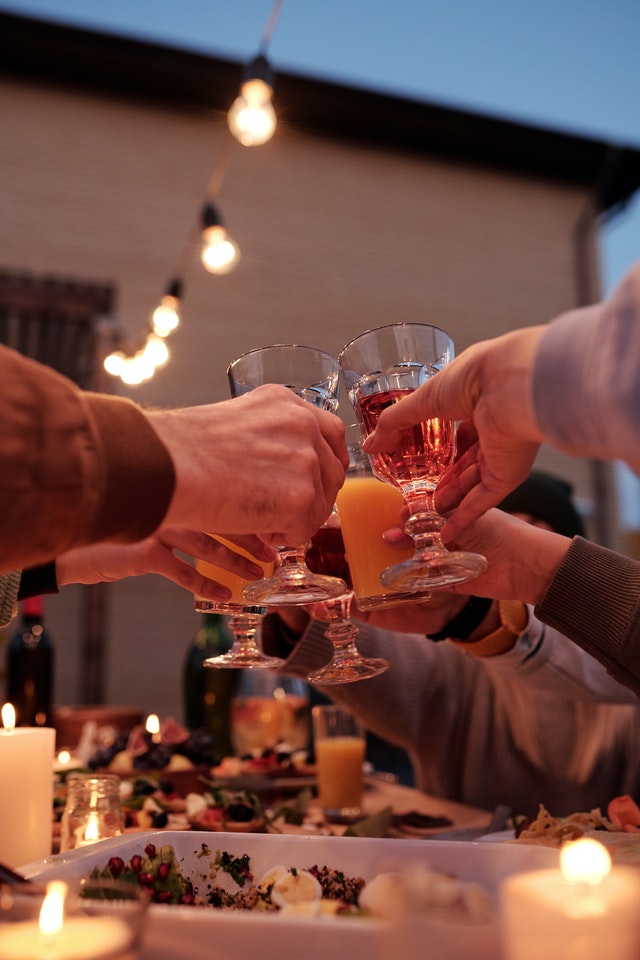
<point x="52" y="910"/>
<point x="585" y="861"/>
<point x="153" y="727"/>
<point x="8" y="716"/>
<point x="64" y="756"/>
<point x="92" y="831"/>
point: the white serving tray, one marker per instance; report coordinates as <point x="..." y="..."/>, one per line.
<point x="200" y="933"/>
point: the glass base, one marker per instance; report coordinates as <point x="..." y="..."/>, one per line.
<point x="384" y="601"/>
<point x="227" y="608"/>
<point x="431" y="570"/>
<point x="295" y="589"/>
<point x="245" y="660"/>
<point x="348" y="670"/>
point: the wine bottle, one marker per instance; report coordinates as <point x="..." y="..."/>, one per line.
<point x="208" y="690"/>
<point x="29" y="678"/>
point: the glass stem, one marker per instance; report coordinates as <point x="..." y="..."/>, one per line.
<point x="244" y="627"/>
<point x="342" y="631"/>
<point x="424" y="523"/>
<point x="292" y="562"/>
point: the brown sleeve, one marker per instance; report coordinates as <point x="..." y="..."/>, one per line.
<point x="75" y="468"/>
<point x="594" y="599"/>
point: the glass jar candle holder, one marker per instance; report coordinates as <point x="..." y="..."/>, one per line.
<point x="93" y="810"/>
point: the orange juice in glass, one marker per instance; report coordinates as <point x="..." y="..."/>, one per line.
<point x="367" y="507"/>
<point x="339" y="745"/>
<point x="231" y="580"/>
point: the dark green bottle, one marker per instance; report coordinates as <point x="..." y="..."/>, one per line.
<point x="208" y="691"/>
<point x="29" y="678"/>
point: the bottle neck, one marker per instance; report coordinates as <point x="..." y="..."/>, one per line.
<point x="33" y="609"/>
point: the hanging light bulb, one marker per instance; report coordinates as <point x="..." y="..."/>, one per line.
<point x="165" y="317"/>
<point x="156" y="350"/>
<point x="115" y="362"/>
<point x="137" y="369"/>
<point x="219" y="252"/>
<point x="251" y="117"/>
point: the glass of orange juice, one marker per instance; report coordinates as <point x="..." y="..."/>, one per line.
<point x="244" y="618"/>
<point x="231" y="580"/>
<point x="367" y="507"/>
<point x="339" y="745"/>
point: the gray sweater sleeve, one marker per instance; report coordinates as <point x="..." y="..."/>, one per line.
<point x="594" y="599"/>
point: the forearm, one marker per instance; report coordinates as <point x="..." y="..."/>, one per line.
<point x="594" y="599"/>
<point x="71" y="469"/>
<point x="587" y="365"/>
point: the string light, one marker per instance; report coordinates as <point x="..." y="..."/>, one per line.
<point x="251" y="122"/>
<point x="251" y="118"/>
<point x="220" y="253"/>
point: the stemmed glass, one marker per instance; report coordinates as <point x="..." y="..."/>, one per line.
<point x="313" y="375"/>
<point x="244" y="618"/>
<point x="347" y="664"/>
<point x="379" y="368"/>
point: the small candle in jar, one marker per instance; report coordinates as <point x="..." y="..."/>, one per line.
<point x="57" y="937"/>
<point x="65" y="761"/>
<point x="587" y="909"/>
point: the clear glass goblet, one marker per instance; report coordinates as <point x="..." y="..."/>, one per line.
<point x="244" y="619"/>
<point x="313" y="375"/>
<point x="347" y="664"/>
<point x="379" y="368"/>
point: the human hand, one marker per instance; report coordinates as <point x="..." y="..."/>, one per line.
<point x="106" y="562"/>
<point x="488" y="384"/>
<point x="266" y="462"/>
<point x="521" y="558"/>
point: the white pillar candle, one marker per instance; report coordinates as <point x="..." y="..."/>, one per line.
<point x="80" y="938"/>
<point x="575" y="915"/>
<point x="26" y="792"/>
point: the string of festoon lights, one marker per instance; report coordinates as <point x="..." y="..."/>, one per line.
<point x="251" y="121"/>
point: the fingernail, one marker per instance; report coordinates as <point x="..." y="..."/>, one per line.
<point x="393" y="536"/>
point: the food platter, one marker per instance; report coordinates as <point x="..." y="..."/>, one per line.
<point x="195" y="932"/>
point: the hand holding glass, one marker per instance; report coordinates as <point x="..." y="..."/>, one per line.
<point x="244" y="618"/>
<point x="380" y="367"/>
<point x="313" y="375"/>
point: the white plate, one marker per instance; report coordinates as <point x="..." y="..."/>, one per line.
<point x="194" y="933"/>
<point x="501" y="836"/>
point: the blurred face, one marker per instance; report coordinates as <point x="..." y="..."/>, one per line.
<point x="530" y="519"/>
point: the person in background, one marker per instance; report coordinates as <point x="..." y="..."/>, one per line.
<point x="500" y="708"/>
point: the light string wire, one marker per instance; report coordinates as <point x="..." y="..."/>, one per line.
<point x="213" y="187"/>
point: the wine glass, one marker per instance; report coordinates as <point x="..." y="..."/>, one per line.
<point x="326" y="554"/>
<point x="313" y="375"/>
<point x="244" y="619"/>
<point x="379" y="368"/>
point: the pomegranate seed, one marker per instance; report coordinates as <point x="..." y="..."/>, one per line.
<point x="150" y="849"/>
<point x="163" y="870"/>
<point x="116" y="866"/>
<point x="136" y="863"/>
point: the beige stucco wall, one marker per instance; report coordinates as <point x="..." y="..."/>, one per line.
<point x="335" y="237"/>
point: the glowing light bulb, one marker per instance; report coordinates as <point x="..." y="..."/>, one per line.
<point x="220" y="253"/>
<point x="156" y="351"/>
<point x="136" y="370"/>
<point x="165" y="317"/>
<point x="251" y="121"/>
<point x="251" y="117"/>
<point x="115" y="362"/>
